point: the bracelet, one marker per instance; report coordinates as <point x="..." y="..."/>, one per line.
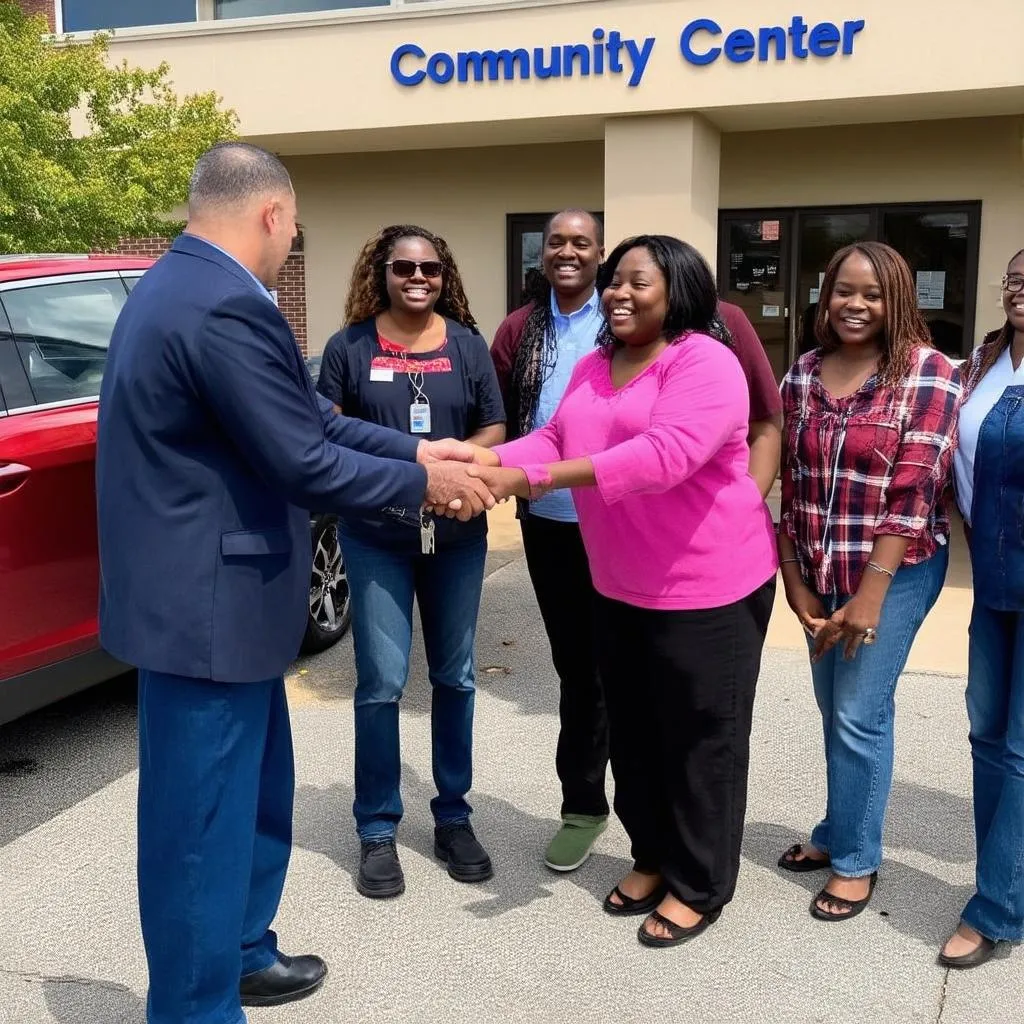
<point x="882" y="569"/>
<point x="787" y="561"/>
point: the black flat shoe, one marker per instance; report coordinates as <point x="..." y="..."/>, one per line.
<point x="847" y="908"/>
<point x="629" y="906"/>
<point x="789" y="861"/>
<point x="380" y="872"/>
<point x="460" y="849"/>
<point x="981" y="955"/>
<point x="287" y="980"/>
<point x="677" y="934"/>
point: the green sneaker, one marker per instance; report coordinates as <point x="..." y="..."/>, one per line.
<point x="574" y="841"/>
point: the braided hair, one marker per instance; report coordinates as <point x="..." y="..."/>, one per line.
<point x="904" y="328"/>
<point x="996" y="343"/>
<point x="368" y="290"/>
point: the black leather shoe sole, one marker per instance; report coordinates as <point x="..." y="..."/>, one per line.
<point x="464" y="872"/>
<point x="380" y="890"/>
<point x="281" y="998"/>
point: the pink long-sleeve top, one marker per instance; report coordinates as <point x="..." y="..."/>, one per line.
<point x="675" y="521"/>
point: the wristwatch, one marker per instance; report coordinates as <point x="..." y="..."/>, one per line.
<point x="539" y="479"/>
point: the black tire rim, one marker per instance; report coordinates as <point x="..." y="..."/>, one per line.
<point x="328" y="588"/>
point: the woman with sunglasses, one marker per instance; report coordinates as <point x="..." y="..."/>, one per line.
<point x="989" y="467"/>
<point x="867" y="452"/>
<point x="410" y="357"/>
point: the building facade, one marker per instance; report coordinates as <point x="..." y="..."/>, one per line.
<point x="766" y="133"/>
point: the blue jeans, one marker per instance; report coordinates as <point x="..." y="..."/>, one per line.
<point x="447" y="586"/>
<point x="857" y="700"/>
<point x="995" y="706"/>
<point x="216" y="781"/>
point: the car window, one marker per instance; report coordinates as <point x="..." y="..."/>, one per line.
<point x="62" y="332"/>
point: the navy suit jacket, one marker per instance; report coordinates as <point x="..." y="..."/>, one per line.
<point x="212" y="447"/>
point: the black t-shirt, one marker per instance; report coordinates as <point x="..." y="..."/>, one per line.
<point x="369" y="378"/>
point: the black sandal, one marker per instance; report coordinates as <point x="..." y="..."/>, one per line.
<point x="677" y="934"/>
<point x="788" y="861"/>
<point x="847" y="908"/>
<point x="629" y="906"/>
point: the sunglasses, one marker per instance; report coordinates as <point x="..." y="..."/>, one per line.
<point x="406" y="268"/>
<point x="1013" y="283"/>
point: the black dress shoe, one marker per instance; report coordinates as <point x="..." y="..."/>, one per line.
<point x="467" y="860"/>
<point x="380" y="873"/>
<point x="981" y="954"/>
<point x="286" y="980"/>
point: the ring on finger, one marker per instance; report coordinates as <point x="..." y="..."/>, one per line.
<point x="870" y="635"/>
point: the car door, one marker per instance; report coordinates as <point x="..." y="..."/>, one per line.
<point x="54" y="334"/>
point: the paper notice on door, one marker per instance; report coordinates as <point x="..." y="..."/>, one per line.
<point x="771" y="311"/>
<point x="769" y="231"/>
<point x="931" y="289"/>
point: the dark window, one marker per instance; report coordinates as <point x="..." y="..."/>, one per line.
<point x="62" y="332"/>
<point x="525" y="243"/>
<point x="939" y="241"/>
<point x="263" y="8"/>
<point x="87" y="15"/>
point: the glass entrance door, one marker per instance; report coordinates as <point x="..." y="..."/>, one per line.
<point x="754" y="275"/>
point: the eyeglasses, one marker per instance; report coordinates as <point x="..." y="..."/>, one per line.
<point x="1013" y="283"/>
<point x="406" y="268"/>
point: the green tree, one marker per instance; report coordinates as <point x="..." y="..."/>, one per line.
<point x="90" y="152"/>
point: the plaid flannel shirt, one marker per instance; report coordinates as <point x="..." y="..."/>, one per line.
<point x="876" y="462"/>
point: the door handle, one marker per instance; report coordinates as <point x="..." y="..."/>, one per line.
<point x="12" y="476"/>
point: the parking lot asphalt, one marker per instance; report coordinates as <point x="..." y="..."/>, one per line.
<point x="528" y="946"/>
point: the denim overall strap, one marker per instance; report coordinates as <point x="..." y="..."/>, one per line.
<point x="997" y="510"/>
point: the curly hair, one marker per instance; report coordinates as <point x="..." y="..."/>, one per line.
<point x="996" y="343"/>
<point x="368" y="290"/>
<point x="690" y="289"/>
<point x="904" y="328"/>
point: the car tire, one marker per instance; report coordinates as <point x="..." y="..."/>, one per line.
<point x="330" y="604"/>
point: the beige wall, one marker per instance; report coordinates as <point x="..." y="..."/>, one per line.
<point x="462" y="195"/>
<point x="467" y="193"/>
<point x="298" y="80"/>
<point x="894" y="163"/>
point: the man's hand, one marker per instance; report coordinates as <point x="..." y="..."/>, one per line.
<point x="452" y="490"/>
<point x="445" y="450"/>
<point x="503" y="483"/>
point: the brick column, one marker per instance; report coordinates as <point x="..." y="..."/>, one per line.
<point x="45" y="7"/>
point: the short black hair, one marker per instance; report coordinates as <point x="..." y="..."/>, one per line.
<point x="577" y="210"/>
<point x="232" y="173"/>
<point x="692" y="295"/>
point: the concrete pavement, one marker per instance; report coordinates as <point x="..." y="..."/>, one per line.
<point x="528" y="946"/>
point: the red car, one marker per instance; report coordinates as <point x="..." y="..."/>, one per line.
<point x="56" y="317"/>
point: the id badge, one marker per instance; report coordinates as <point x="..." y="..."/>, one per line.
<point x="419" y="418"/>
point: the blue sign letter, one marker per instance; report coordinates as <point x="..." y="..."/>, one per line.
<point x="700" y="25"/>
<point x="407" y="50"/>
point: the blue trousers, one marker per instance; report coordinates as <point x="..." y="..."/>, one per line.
<point x="995" y="706"/>
<point x="857" y="700"/>
<point x="447" y="586"/>
<point x="216" y="782"/>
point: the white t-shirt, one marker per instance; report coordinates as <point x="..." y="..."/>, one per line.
<point x="972" y="414"/>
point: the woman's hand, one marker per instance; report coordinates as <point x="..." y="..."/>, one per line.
<point x="849" y="626"/>
<point x="502" y="483"/>
<point x="806" y="606"/>
<point x="484" y="456"/>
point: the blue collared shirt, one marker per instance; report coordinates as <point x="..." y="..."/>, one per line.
<point x="575" y="336"/>
<point x="213" y="245"/>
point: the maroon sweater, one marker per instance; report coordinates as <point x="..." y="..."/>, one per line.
<point x="765" y="401"/>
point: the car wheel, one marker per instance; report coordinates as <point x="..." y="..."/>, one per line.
<point x="330" y="604"/>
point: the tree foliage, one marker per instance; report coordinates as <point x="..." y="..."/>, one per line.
<point x="90" y="151"/>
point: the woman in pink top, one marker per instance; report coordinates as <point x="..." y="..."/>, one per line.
<point x="651" y="436"/>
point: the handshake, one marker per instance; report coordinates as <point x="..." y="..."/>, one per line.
<point x="464" y="479"/>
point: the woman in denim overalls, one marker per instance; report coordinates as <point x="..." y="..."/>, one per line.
<point x="990" y="489"/>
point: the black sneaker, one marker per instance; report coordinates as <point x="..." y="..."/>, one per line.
<point x="380" y="874"/>
<point x="467" y="860"/>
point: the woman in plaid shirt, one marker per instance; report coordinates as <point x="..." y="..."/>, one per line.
<point x="867" y="453"/>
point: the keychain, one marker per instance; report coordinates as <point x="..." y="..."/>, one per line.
<point x="426" y="534"/>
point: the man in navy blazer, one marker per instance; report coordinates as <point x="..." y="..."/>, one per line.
<point x="212" y="448"/>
